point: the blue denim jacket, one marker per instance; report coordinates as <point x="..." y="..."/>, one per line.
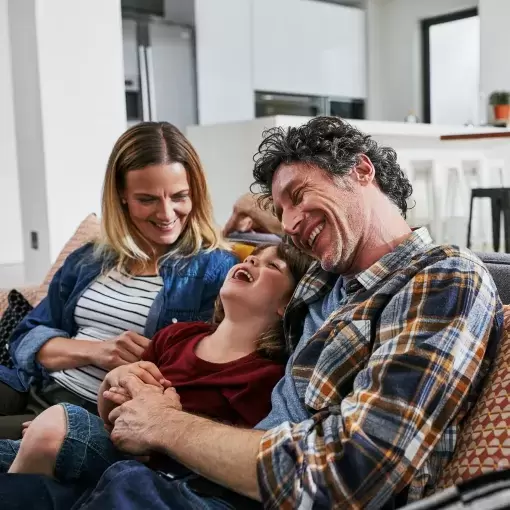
<point x="190" y="288"/>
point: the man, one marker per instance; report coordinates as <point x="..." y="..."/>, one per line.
<point x="390" y="338"/>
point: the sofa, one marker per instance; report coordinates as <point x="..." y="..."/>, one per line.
<point x="484" y="441"/>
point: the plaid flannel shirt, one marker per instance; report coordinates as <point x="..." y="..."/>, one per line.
<point x="387" y="379"/>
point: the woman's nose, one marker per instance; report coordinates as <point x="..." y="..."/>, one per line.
<point x="165" y="210"/>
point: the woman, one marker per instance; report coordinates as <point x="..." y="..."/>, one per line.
<point x="225" y="371"/>
<point x="160" y="261"/>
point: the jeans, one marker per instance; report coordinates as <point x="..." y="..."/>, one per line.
<point x="126" y="485"/>
<point x="86" y="451"/>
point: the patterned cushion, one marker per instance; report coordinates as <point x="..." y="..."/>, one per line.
<point x="484" y="442"/>
<point x="88" y="231"/>
<point x="17" y="309"/>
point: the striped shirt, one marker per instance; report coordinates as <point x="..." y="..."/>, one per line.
<point x="113" y="304"/>
<point x="386" y="380"/>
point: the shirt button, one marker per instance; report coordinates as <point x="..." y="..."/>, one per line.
<point x="174" y="320"/>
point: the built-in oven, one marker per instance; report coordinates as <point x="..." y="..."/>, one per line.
<point x="275" y="103"/>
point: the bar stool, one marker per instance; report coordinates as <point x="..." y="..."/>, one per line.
<point x="500" y="203"/>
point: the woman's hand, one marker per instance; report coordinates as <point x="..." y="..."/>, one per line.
<point x="126" y="348"/>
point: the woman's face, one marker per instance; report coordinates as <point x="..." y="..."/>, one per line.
<point x="158" y="202"/>
<point x="263" y="284"/>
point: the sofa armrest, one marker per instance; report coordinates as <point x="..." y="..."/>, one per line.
<point x="32" y="295"/>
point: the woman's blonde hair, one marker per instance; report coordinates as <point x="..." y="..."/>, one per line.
<point x="143" y="145"/>
<point x="271" y="344"/>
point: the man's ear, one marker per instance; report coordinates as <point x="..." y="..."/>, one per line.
<point x="281" y="311"/>
<point x="364" y="171"/>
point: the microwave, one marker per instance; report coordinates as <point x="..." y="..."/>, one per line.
<point x="268" y="104"/>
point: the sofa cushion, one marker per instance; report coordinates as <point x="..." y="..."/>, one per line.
<point x="499" y="266"/>
<point x="484" y="442"/>
<point x="88" y="231"/>
<point x="16" y="310"/>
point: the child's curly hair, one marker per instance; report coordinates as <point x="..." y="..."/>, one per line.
<point x="271" y="344"/>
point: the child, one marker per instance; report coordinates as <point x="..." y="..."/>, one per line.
<point x="225" y="371"/>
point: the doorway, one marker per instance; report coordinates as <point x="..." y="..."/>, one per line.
<point x="451" y="68"/>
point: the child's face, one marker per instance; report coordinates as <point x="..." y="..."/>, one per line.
<point x="263" y="283"/>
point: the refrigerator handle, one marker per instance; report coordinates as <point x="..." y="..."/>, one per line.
<point x="152" y="86"/>
<point x="143" y="83"/>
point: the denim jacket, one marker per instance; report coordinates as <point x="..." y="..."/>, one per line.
<point x="190" y="288"/>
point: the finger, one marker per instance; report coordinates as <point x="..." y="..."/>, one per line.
<point x="116" y="398"/>
<point x="142" y="341"/>
<point x="119" y="390"/>
<point x="26" y="424"/>
<point x="231" y="224"/>
<point x="166" y="383"/>
<point x="132" y="384"/>
<point x="149" y="373"/>
<point x="129" y="353"/>
<point x="114" y="414"/>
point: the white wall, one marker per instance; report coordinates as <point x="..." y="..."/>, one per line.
<point x="70" y="109"/>
<point x="11" y="250"/>
<point x="395" y="44"/>
<point x="494" y="20"/>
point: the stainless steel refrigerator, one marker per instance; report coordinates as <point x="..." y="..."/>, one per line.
<point x="159" y="71"/>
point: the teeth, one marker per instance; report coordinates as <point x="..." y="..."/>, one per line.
<point x="166" y="225"/>
<point x="242" y="271"/>
<point x="316" y="231"/>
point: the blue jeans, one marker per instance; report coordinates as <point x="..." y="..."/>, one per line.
<point x="85" y="454"/>
<point x="126" y="485"/>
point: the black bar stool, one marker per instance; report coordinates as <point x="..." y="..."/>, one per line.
<point x="500" y="203"/>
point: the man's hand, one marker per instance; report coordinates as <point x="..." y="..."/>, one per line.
<point x="247" y="216"/>
<point x="137" y="423"/>
<point x="126" y="348"/>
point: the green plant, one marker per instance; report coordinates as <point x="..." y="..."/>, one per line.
<point x="499" y="97"/>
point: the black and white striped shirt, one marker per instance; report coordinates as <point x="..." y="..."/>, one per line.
<point x="113" y="304"/>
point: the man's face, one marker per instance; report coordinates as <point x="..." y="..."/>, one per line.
<point x="324" y="215"/>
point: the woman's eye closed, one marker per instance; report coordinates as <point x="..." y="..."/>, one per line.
<point x="146" y="200"/>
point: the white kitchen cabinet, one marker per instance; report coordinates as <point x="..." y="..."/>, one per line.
<point x="224" y="65"/>
<point x="308" y="47"/>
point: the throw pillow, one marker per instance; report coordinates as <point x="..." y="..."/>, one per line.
<point x="17" y="309"/>
<point x="484" y="442"/>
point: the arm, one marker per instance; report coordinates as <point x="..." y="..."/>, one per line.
<point x="382" y="432"/>
<point x="61" y="353"/>
<point x="431" y="341"/>
<point x="45" y="322"/>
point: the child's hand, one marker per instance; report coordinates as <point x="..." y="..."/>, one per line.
<point x="146" y="371"/>
<point x="24" y="427"/>
<point x="117" y="395"/>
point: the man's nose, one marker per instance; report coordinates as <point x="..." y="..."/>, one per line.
<point x="290" y="222"/>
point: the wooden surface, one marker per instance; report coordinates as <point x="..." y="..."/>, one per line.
<point x="476" y="136"/>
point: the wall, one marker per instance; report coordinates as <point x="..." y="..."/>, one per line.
<point x="69" y="108"/>
<point x="494" y="72"/>
<point x="395" y="53"/>
<point x="11" y="250"/>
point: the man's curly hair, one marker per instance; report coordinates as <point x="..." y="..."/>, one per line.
<point x="333" y="145"/>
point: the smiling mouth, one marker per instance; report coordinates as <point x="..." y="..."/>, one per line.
<point x="165" y="226"/>
<point x="242" y="275"/>
<point x="315" y="232"/>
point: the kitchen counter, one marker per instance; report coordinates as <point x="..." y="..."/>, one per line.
<point x="502" y="133"/>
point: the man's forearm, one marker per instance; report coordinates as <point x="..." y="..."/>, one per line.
<point x="224" y="454"/>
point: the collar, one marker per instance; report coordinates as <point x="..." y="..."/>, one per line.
<point x="417" y="242"/>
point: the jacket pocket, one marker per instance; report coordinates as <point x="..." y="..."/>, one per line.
<point x="346" y="350"/>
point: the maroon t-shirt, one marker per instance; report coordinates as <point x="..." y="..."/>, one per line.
<point x="237" y="392"/>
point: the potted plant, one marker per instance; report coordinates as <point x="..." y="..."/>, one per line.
<point x="500" y="101"/>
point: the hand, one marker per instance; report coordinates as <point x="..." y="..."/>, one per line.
<point x="138" y="423"/>
<point x="121" y="350"/>
<point x="146" y="371"/>
<point x="247" y="215"/>
<point x="24" y="427"/>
